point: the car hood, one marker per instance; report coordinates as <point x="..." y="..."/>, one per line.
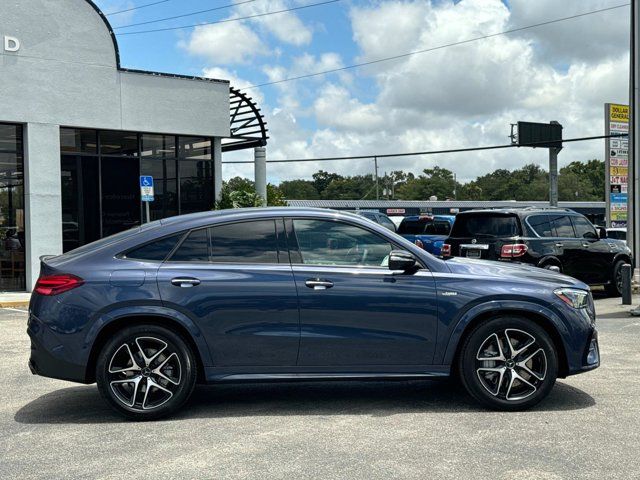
<point x="517" y="271"/>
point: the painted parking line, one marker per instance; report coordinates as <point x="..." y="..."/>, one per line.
<point x="15" y="309"/>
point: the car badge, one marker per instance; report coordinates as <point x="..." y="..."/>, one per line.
<point x="474" y="241"/>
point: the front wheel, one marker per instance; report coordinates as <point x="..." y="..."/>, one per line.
<point x="508" y="363"/>
<point x="146" y="372"/>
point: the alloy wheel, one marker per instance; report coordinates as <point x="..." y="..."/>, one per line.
<point x="511" y="364"/>
<point x="144" y="373"/>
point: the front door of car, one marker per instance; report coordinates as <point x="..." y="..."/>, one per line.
<point x="353" y="310"/>
<point x="235" y="282"/>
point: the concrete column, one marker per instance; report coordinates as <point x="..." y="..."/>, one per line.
<point x="43" y="196"/>
<point x="217" y="168"/>
<point x="260" y="166"/>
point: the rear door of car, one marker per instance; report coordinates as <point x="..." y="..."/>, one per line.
<point x="568" y="246"/>
<point x="595" y="256"/>
<point x="235" y="281"/>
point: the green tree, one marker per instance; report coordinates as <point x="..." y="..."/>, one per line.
<point x="433" y="181"/>
<point x="299" y="190"/>
<point x="322" y="180"/>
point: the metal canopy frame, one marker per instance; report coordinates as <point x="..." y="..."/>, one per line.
<point x="248" y="127"/>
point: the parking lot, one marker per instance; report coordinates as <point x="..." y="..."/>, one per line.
<point x="589" y="427"/>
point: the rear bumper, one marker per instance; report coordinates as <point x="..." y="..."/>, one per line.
<point x="47" y="357"/>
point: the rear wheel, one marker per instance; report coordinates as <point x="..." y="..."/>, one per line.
<point x="614" y="289"/>
<point x="146" y="372"/>
<point x="508" y="363"/>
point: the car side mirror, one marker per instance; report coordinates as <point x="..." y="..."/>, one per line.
<point x="402" y="260"/>
<point x="602" y="232"/>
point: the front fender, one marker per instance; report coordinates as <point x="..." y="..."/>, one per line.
<point x="107" y="318"/>
<point x="498" y="306"/>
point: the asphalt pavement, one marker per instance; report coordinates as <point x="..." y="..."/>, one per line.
<point x="588" y="428"/>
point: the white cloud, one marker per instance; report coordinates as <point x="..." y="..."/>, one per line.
<point x="286" y="27"/>
<point x="225" y="43"/>
<point x="461" y="96"/>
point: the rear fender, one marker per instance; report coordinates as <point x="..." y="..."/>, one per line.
<point x="151" y="311"/>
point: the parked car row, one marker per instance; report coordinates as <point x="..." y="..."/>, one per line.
<point x="552" y="238"/>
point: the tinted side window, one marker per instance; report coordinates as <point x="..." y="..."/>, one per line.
<point x="486" y="225"/>
<point x="195" y="248"/>
<point x="411" y="227"/>
<point x="157" y="250"/>
<point x="385" y="222"/>
<point x="562" y="226"/>
<point x="245" y="242"/>
<point x="335" y="243"/>
<point x="541" y="225"/>
<point x="583" y="228"/>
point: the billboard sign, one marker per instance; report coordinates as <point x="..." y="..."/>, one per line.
<point x="616" y="122"/>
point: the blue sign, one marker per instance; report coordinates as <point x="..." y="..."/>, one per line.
<point x="146" y="188"/>
<point x="618" y="198"/>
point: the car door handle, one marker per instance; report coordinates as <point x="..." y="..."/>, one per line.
<point x="559" y="245"/>
<point x="185" y="282"/>
<point x="318" y="283"/>
<point x="585" y="244"/>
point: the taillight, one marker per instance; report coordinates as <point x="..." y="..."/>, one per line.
<point x="419" y="243"/>
<point x="445" y="250"/>
<point x="513" y="250"/>
<point x="56" y="284"/>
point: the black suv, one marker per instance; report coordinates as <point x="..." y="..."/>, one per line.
<point x="553" y="238"/>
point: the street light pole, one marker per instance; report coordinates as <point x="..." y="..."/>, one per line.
<point x="375" y="163"/>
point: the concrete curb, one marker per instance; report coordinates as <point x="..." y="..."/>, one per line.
<point x="14" y="304"/>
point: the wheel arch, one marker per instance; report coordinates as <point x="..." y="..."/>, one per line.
<point x="536" y="316"/>
<point x="550" y="259"/>
<point x="114" y="324"/>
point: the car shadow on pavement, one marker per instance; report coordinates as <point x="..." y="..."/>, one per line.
<point x="83" y="405"/>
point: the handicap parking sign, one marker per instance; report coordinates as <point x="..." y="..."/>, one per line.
<point x="146" y="188"/>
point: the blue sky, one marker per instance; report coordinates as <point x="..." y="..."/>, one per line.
<point x="458" y="97"/>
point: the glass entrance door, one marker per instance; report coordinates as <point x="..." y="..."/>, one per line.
<point x="12" y="237"/>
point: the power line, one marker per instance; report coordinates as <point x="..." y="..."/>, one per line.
<point x="185" y="14"/>
<point x="439" y="47"/>
<point x="434" y="152"/>
<point x="231" y="19"/>
<point x="137" y="8"/>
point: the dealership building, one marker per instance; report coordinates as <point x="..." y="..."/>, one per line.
<point x="77" y="131"/>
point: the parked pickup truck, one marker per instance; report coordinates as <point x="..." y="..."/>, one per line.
<point x="427" y="231"/>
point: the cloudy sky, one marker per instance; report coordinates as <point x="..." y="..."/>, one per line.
<point x="460" y="96"/>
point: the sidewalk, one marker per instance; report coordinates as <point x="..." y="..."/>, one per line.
<point x="14" y="299"/>
<point x="613" y="306"/>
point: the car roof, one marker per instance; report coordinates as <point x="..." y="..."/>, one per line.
<point x="413" y="218"/>
<point x="520" y="211"/>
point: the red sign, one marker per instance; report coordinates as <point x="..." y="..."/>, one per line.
<point x="395" y="211"/>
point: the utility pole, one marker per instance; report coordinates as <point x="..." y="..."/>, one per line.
<point x="553" y="173"/>
<point x="375" y="163"/>
<point x="633" y="206"/>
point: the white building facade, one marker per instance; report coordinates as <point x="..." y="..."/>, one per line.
<point x="77" y="131"/>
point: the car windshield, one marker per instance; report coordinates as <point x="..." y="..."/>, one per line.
<point x="486" y="225"/>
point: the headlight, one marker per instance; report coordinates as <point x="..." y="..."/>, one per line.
<point x="573" y="297"/>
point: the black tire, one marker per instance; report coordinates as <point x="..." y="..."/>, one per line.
<point x="480" y="381"/>
<point x="614" y="289"/>
<point x="153" y="387"/>
<point x="551" y="263"/>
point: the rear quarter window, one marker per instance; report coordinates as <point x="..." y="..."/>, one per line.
<point x="156" y="251"/>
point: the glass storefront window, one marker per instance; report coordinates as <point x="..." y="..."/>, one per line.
<point x="118" y="143"/>
<point x="163" y="146"/>
<point x="75" y="140"/>
<point x="195" y="147"/>
<point x="100" y="185"/>
<point x="12" y="236"/>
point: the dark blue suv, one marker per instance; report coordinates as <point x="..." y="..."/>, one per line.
<point x="298" y="294"/>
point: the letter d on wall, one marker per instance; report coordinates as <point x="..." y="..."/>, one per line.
<point x="11" y="44"/>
